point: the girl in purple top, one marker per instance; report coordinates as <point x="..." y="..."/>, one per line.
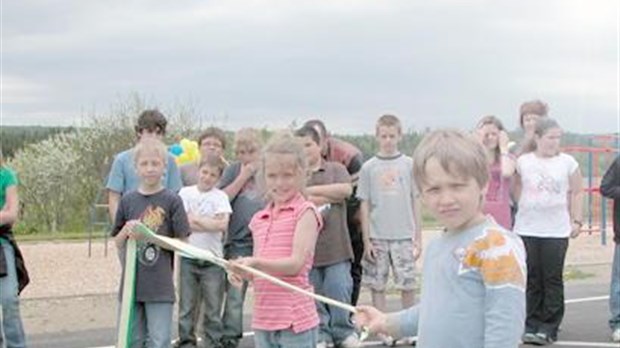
<point x="501" y="168"/>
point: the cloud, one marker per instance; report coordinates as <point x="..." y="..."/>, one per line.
<point x="256" y="63"/>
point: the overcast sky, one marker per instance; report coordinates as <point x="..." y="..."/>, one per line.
<point x="267" y="63"/>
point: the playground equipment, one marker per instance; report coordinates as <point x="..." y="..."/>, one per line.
<point x="594" y="160"/>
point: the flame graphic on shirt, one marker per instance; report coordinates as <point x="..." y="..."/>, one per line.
<point x="497" y="258"/>
<point x="153" y="217"/>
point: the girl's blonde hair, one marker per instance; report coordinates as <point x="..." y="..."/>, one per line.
<point x="150" y="146"/>
<point x="283" y="143"/>
<point x="458" y="153"/>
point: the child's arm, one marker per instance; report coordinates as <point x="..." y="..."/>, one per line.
<point x="503" y="274"/>
<point x="398" y="324"/>
<point x="10" y="211"/>
<point x="369" y="251"/>
<point x="332" y="193"/>
<point x="306" y="233"/>
<point x="507" y="160"/>
<point x="576" y="203"/>
<point x="246" y="171"/>
<point x="217" y="223"/>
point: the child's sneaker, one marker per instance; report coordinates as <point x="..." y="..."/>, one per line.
<point x="387" y="340"/>
<point x="528" y="338"/>
<point x="542" y="339"/>
<point x="615" y="335"/>
<point x="352" y="341"/>
<point x="324" y="344"/>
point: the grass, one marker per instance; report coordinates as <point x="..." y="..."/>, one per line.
<point x="574" y="273"/>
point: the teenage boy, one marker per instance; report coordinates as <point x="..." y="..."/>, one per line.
<point x="210" y="142"/>
<point x="162" y="211"/>
<point x="201" y="282"/>
<point x="338" y="150"/>
<point x="328" y="187"/>
<point x="238" y="182"/>
<point x="610" y="188"/>
<point x="473" y="288"/>
<point x="123" y="177"/>
<point x="389" y="211"/>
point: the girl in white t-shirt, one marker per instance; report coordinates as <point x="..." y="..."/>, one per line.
<point x="550" y="211"/>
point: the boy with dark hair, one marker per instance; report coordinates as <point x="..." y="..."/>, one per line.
<point x="123" y="178"/>
<point x="328" y="186"/>
<point x="337" y="150"/>
<point x="210" y="142"/>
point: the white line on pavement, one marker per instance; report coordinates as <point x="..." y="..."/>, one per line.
<point x="587" y="299"/>
<point x="585" y="344"/>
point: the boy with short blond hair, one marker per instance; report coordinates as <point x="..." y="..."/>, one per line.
<point x="473" y="289"/>
<point x="162" y="211"/>
<point x="390" y="218"/>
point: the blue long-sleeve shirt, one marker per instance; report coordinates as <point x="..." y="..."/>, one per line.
<point x="473" y="291"/>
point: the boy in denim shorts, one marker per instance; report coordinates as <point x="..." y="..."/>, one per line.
<point x="390" y="218"/>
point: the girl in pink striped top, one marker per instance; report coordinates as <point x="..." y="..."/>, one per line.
<point x="284" y="235"/>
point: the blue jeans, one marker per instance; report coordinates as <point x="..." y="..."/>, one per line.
<point x="12" y="330"/>
<point x="614" y="292"/>
<point x="152" y="325"/>
<point x="232" y="318"/>
<point x="333" y="281"/>
<point x="285" y="339"/>
<point x="201" y="289"/>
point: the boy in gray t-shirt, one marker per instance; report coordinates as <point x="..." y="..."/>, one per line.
<point x="390" y="218"/>
<point x="162" y="211"/>
<point x="473" y="287"/>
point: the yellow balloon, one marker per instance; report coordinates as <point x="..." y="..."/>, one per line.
<point x="183" y="158"/>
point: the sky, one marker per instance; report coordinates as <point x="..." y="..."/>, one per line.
<point x="270" y="63"/>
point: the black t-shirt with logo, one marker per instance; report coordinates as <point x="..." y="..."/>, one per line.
<point x="163" y="213"/>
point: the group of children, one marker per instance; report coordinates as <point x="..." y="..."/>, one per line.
<point x="285" y="209"/>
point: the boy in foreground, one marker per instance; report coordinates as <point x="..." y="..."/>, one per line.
<point x="473" y="288"/>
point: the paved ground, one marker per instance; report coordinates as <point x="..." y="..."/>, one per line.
<point x="72" y="301"/>
<point x="585" y="323"/>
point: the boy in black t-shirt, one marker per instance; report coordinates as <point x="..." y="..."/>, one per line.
<point x="162" y="211"/>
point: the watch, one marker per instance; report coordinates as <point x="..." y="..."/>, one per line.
<point x="578" y="223"/>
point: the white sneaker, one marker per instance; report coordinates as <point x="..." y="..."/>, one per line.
<point x="387" y="340"/>
<point x="321" y="344"/>
<point x="615" y="336"/>
<point x="352" y="341"/>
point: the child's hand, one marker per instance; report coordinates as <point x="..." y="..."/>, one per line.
<point x="504" y="140"/>
<point x="417" y="250"/>
<point x="370" y="318"/>
<point x="247" y="170"/>
<point x="233" y="267"/>
<point x="369" y="252"/>
<point x="575" y="230"/>
<point x="235" y="280"/>
<point x="128" y="230"/>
